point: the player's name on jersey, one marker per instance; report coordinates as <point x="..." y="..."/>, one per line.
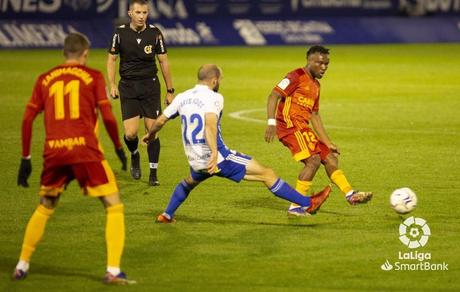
<point x="194" y="101"/>
<point x="82" y="74"/>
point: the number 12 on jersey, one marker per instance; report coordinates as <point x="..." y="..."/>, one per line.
<point x="192" y="128"/>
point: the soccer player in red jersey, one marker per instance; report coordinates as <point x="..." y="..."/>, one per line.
<point x="70" y="95"/>
<point x="297" y="97"/>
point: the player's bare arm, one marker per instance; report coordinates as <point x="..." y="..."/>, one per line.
<point x="111" y="72"/>
<point x="211" y="140"/>
<point x="272" y="101"/>
<point x="156" y="127"/>
<point x="318" y="126"/>
<point x="164" y="65"/>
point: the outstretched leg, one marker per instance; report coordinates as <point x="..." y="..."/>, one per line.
<point x="115" y="240"/>
<point x="33" y="234"/>
<point x="114" y="232"/>
<point x="338" y="178"/>
<point x="256" y="172"/>
<point x="304" y="182"/>
<point x="179" y="195"/>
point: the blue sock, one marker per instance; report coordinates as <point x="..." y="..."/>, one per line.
<point x="283" y="190"/>
<point x="178" y="197"/>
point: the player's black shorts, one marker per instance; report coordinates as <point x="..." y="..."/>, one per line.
<point x="140" y="98"/>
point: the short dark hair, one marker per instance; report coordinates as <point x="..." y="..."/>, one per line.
<point x="140" y="2"/>
<point x="75" y="44"/>
<point x="317" y="49"/>
<point x="208" y="71"/>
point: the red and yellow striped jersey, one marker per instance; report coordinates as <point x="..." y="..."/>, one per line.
<point x="299" y="98"/>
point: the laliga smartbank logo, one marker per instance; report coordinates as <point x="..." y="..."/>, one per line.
<point x="414" y="233"/>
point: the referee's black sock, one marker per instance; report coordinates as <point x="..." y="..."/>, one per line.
<point x="153" y="148"/>
<point x="131" y="144"/>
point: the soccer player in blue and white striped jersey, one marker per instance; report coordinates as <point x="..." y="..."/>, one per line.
<point x="200" y="110"/>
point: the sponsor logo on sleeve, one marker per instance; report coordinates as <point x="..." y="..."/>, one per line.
<point x="283" y="83"/>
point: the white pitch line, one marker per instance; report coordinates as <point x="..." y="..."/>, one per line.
<point x="239" y="115"/>
<point x="242" y="116"/>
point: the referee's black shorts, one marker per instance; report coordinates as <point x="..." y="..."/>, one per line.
<point x="140" y="98"/>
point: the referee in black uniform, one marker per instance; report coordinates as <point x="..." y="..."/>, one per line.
<point x="138" y="43"/>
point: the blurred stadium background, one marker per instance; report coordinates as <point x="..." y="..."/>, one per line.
<point x="390" y="100"/>
<point x="44" y="23"/>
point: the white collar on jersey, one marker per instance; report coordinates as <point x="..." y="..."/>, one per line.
<point x="203" y="86"/>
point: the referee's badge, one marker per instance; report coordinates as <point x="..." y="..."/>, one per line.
<point x="148" y="49"/>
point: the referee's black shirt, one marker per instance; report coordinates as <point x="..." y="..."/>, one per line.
<point x="137" y="51"/>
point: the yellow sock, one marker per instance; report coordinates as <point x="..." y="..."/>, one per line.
<point x="115" y="234"/>
<point x="34" y="231"/>
<point x="302" y="186"/>
<point x="338" y="178"/>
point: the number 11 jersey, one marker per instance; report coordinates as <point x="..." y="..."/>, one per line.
<point x="69" y="95"/>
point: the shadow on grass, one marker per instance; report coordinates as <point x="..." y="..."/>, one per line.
<point x="344" y="214"/>
<point x="295" y="222"/>
<point x="7" y="265"/>
<point x="267" y="202"/>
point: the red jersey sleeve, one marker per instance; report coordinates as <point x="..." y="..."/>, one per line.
<point x="101" y="91"/>
<point x="288" y="85"/>
<point x="36" y="101"/>
<point x="105" y="108"/>
<point x="33" y="108"/>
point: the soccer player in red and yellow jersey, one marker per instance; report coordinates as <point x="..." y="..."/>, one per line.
<point x="297" y="97"/>
<point x="70" y="95"/>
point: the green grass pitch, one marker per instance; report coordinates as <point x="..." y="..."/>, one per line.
<point x="392" y="109"/>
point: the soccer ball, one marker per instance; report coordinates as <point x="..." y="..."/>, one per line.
<point x="403" y="200"/>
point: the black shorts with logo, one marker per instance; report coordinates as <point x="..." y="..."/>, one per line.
<point x="140" y="98"/>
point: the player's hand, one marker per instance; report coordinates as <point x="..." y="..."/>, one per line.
<point x="121" y="155"/>
<point x="169" y="98"/>
<point x="149" y="137"/>
<point x="145" y="139"/>
<point x="25" y="169"/>
<point x="212" y="163"/>
<point x="270" y="133"/>
<point x="334" y="149"/>
<point x="114" y="91"/>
